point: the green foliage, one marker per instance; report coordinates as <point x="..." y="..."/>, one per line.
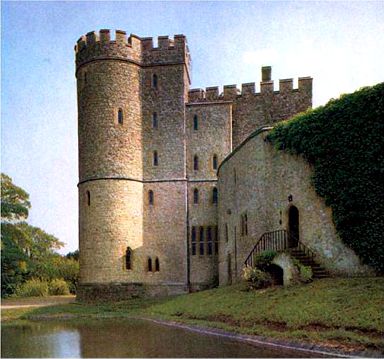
<point x="343" y="140"/>
<point x="32" y="288"/>
<point x="256" y="277"/>
<point x="58" y="286"/>
<point x="264" y="259"/>
<point x="14" y="200"/>
<point x="306" y="273"/>
<point x="26" y="251"/>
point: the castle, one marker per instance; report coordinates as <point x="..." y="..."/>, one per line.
<point x="174" y="184"/>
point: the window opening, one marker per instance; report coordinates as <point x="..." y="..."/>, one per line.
<point x="128" y="258"/>
<point x="195" y="196"/>
<point x="120" y="116"/>
<point x="201" y="241"/>
<point x="157" y="265"/>
<point x="155" y="159"/>
<point x="193" y="240"/>
<point x="196" y="163"/>
<point x="149" y="264"/>
<point x="195" y="123"/>
<point x="150" y="197"/>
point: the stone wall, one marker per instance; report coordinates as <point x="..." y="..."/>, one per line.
<point x="208" y="134"/>
<point x="264" y="183"/>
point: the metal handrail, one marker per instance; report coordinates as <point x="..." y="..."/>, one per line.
<point x="269" y="241"/>
<point x="278" y="241"/>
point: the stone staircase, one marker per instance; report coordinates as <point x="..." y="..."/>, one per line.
<point x="317" y="270"/>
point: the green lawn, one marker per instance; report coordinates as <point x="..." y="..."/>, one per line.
<point x="347" y="313"/>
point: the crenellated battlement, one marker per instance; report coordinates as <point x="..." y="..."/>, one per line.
<point x="231" y="92"/>
<point x="100" y="45"/>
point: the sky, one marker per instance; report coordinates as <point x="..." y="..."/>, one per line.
<point x="339" y="44"/>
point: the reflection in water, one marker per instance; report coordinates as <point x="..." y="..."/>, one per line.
<point x="122" y="338"/>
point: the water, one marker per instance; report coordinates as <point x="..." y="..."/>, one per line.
<point x="122" y="338"/>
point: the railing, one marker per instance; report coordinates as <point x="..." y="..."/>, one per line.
<point x="278" y="241"/>
<point x="302" y="247"/>
<point x="269" y="241"/>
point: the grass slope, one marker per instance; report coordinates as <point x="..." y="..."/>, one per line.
<point x="345" y="313"/>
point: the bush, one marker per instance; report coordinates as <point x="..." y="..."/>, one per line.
<point x="32" y="288"/>
<point x="344" y="142"/>
<point x="58" y="287"/>
<point x="305" y="273"/>
<point x="257" y="278"/>
<point x="264" y="259"/>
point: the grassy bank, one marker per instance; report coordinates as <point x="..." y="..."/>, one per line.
<point x="345" y="313"/>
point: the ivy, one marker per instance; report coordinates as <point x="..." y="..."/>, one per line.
<point x="343" y="140"/>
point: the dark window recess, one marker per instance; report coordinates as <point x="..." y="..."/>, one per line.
<point x="226" y="232"/>
<point x="157" y="265"/>
<point x="149" y="264"/>
<point x="120" y="118"/>
<point x="88" y="198"/>
<point x="193" y="240"/>
<point x="155" y="159"/>
<point x="154" y="120"/>
<point x="128" y="258"/>
<point x="196" y="163"/>
<point x="154" y="81"/>
<point x="215" y="162"/>
<point x="195" y="196"/>
<point x="214" y="195"/>
<point x="150" y="197"/>
<point x="201" y="241"/>
<point x="85" y="77"/>
<point x="209" y="241"/>
<point x="216" y="240"/>
<point x="195" y="123"/>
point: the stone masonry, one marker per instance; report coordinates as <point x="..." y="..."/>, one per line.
<point x="149" y="150"/>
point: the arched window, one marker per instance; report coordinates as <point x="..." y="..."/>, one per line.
<point x="209" y="241"/>
<point x="196" y="163"/>
<point x="149" y="264"/>
<point x="155" y="158"/>
<point x="214" y="162"/>
<point x="154" y="120"/>
<point x="195" y="196"/>
<point x="214" y="195"/>
<point x="193" y="241"/>
<point x="128" y="258"/>
<point x="88" y="198"/>
<point x="154" y="81"/>
<point x="201" y="241"/>
<point x="150" y="197"/>
<point x="195" y="123"/>
<point x="157" y="265"/>
<point x="120" y="116"/>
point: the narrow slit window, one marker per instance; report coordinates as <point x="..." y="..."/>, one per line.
<point x="157" y="265"/>
<point x="195" y="123"/>
<point x="226" y="232"/>
<point x="88" y="198"/>
<point x="151" y="197"/>
<point x="214" y="195"/>
<point x="154" y="81"/>
<point x="154" y="120"/>
<point x="155" y="159"/>
<point x="128" y="258"/>
<point x="214" y="162"/>
<point x="246" y="224"/>
<point x="195" y="196"/>
<point x="193" y="241"/>
<point x="201" y="241"/>
<point x="85" y="77"/>
<point x="195" y="163"/>
<point x="216" y="240"/>
<point x="120" y="117"/>
<point x="209" y="241"/>
<point x="149" y="264"/>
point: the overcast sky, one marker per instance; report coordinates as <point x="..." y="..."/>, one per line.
<point x="339" y="44"/>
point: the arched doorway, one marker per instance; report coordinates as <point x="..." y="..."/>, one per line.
<point x="276" y="273"/>
<point x="293" y="226"/>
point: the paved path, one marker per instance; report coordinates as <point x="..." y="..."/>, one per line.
<point x="15" y="303"/>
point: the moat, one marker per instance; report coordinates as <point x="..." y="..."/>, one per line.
<point x="123" y="338"/>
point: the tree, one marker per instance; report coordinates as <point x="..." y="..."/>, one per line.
<point x="15" y="203"/>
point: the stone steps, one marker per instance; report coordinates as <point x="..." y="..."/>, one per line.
<point x="317" y="270"/>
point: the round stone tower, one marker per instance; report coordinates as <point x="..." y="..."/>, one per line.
<point x="110" y="162"/>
